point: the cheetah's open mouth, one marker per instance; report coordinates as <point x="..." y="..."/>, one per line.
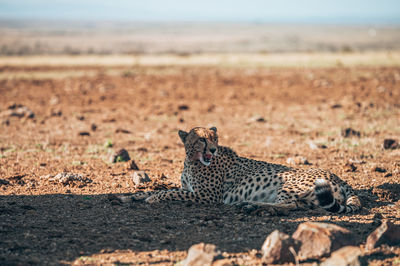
<point x="206" y="159"/>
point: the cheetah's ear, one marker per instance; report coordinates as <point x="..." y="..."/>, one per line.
<point x="183" y="135"/>
<point x="214" y="129"/>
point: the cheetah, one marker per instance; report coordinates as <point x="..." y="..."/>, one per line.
<point x="216" y="174"/>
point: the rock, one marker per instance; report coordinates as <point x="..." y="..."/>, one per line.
<point x="346" y="256"/>
<point x="349" y="132"/>
<point x="121" y="130"/>
<point x="312" y="145"/>
<point x="18" y="110"/>
<point x="56" y="112"/>
<point x="140" y="177"/>
<point x="350" y="167"/>
<point x="93" y="127"/>
<point x="378" y="169"/>
<point x="335" y="106"/>
<point x="320" y="239"/>
<point x="390" y="144"/>
<point x="201" y="255"/>
<point x="183" y="107"/>
<point x="256" y="118"/>
<point x="261" y="120"/>
<point x="387" y="233"/>
<point x="68" y="178"/>
<point x="298" y="160"/>
<point x="121" y="155"/>
<point x="277" y="248"/>
<point x="83" y="133"/>
<point x="132" y="165"/>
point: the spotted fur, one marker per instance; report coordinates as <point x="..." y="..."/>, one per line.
<point x="214" y="173"/>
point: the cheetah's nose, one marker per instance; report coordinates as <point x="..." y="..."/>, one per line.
<point x="212" y="150"/>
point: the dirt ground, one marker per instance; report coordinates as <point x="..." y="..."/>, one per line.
<point x="271" y="114"/>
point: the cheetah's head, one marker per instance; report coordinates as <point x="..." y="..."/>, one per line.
<point x="201" y="144"/>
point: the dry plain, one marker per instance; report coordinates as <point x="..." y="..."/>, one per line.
<point x="75" y="111"/>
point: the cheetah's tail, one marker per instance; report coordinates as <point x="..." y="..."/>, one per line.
<point x="327" y="201"/>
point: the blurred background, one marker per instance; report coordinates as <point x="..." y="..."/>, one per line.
<point x="37" y="27"/>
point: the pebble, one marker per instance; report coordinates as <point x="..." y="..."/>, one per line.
<point x="349" y="132"/>
<point x="140" y="177"/>
<point x="350" y="167"/>
<point x="68" y="178"/>
<point x="390" y="144"/>
<point x="297" y="161"/>
<point x="132" y="165"/>
<point x="121" y="155"/>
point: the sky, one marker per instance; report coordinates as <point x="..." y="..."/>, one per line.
<point x="278" y="11"/>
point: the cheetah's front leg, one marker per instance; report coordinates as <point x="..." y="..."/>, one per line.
<point x="179" y="195"/>
<point x="272" y="208"/>
<point x="142" y="195"/>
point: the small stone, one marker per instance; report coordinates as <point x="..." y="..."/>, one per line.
<point x="346" y="256"/>
<point x="277" y="248"/>
<point x="387" y="233"/>
<point x="55" y="113"/>
<point x="140" y="177"/>
<point x="201" y="255"/>
<point x="83" y="133"/>
<point x="54" y="100"/>
<point x="121" y="155"/>
<point x="390" y="144"/>
<point x="257" y="118"/>
<point x="349" y="132"/>
<point x="18" y="110"/>
<point x="335" y="106"/>
<point x="93" y="127"/>
<point x="68" y="178"/>
<point x="132" y="165"/>
<point x="320" y="239"/>
<point x="121" y="130"/>
<point x="350" y="167"/>
<point x="183" y="107"/>
<point x="298" y="160"/>
<point x="312" y="145"/>
<point x="378" y="169"/>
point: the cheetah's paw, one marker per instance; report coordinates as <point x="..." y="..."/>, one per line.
<point x="152" y="199"/>
<point x="246" y="207"/>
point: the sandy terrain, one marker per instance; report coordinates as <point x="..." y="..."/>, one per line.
<point x="105" y="37"/>
<point x="54" y="120"/>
